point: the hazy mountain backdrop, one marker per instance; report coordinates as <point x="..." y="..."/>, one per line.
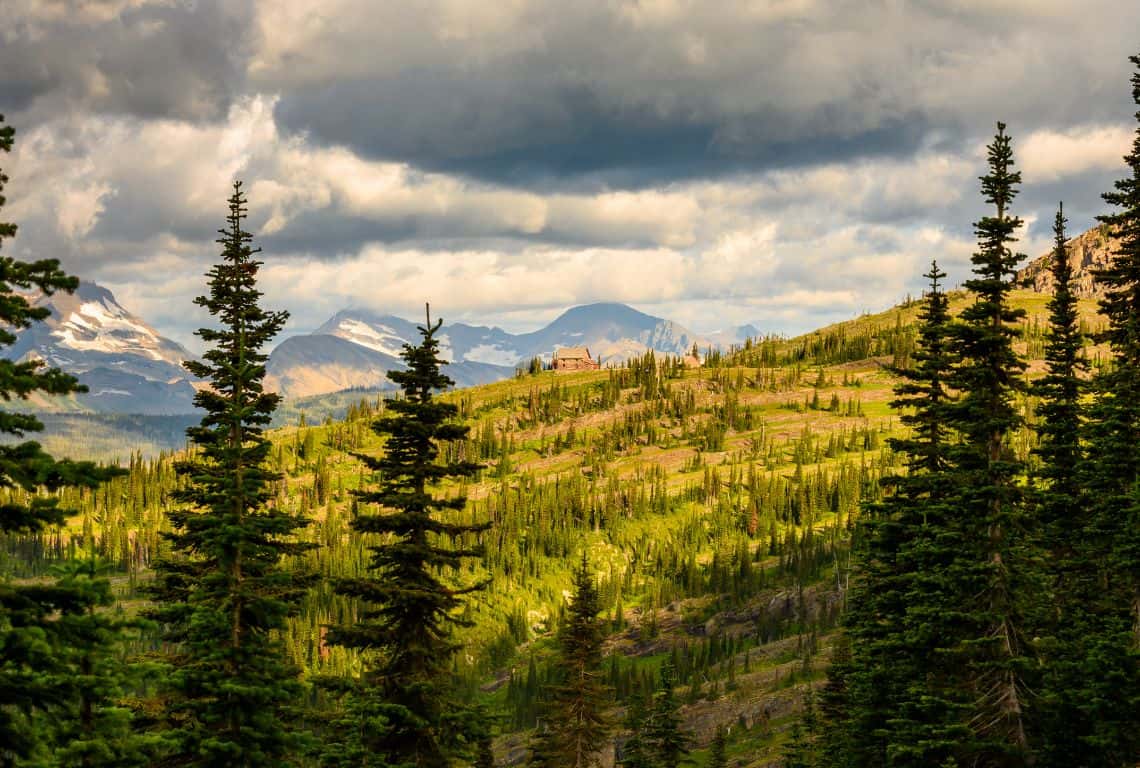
<point x="129" y="367"/>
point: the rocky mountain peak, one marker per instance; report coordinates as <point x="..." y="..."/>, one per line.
<point x="127" y="366"/>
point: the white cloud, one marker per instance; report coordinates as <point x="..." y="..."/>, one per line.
<point x="1047" y="155"/>
<point x="78" y="208"/>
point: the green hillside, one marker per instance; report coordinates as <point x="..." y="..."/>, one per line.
<point x="715" y="505"/>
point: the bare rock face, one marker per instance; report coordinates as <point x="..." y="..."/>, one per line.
<point x="1087" y="252"/>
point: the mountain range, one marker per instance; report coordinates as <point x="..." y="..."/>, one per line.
<point x="129" y="367"/>
<point x="355" y="348"/>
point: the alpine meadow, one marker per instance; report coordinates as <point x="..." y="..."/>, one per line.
<point x="539" y="527"/>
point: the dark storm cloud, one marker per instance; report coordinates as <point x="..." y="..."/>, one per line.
<point x="323" y="232"/>
<point x="636" y="93"/>
<point x="183" y="59"/>
<point x="532" y="136"/>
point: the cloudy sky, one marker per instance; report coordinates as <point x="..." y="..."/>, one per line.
<point x="784" y="163"/>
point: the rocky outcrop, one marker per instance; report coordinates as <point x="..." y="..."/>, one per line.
<point x="1087" y="252"/>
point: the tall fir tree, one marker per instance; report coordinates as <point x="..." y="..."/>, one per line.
<point x="1110" y="545"/>
<point x="407" y="711"/>
<point x="993" y="573"/>
<point x="225" y="593"/>
<point x="35" y="674"/>
<point x="1060" y="391"/>
<point x="575" y="727"/>
<point x="877" y="709"/>
<point x="665" y="733"/>
<point x="1062" y="513"/>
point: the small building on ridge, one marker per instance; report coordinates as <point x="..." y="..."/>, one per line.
<point x="574" y="359"/>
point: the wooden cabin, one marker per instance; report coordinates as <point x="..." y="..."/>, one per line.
<point x="574" y="359"/>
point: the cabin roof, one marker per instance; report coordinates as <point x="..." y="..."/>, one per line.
<point x="572" y="353"/>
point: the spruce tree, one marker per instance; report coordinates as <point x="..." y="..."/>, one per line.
<point x="225" y="592"/>
<point x="575" y="728"/>
<point x="407" y="711"/>
<point x="718" y="753"/>
<point x="991" y="574"/>
<point x="1060" y="391"/>
<point x="875" y="705"/>
<point x="35" y="676"/>
<point x="1110" y="545"/>
<point x="664" y="731"/>
<point x="1062" y="513"/>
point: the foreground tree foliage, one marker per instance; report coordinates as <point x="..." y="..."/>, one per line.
<point x="1108" y="552"/>
<point x="991" y="626"/>
<point x="941" y="663"/>
<point x="224" y="592"/>
<point x="40" y="644"/>
<point x="993" y="582"/>
<point x="1062" y="729"/>
<point x="405" y="711"/>
<point x="97" y="728"/>
<point x="575" y="727"/>
<point x="878" y="710"/>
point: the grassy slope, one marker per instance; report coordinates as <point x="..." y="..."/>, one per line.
<point x="764" y="699"/>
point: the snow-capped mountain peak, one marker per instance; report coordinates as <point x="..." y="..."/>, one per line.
<point x="104" y="326"/>
<point x="376" y="337"/>
<point x="127" y="366"/>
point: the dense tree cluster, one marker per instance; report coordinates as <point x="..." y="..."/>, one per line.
<point x="994" y="622"/>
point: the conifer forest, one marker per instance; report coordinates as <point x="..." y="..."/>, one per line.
<point x="910" y="539"/>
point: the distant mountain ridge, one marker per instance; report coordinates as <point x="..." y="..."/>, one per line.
<point x="356" y="348"/>
<point x="130" y="368"/>
<point x="127" y="366"/>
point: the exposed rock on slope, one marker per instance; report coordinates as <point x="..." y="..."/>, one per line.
<point x="1088" y="252"/>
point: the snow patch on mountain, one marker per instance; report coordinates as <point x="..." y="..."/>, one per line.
<point x="379" y="338"/>
<point x="493" y="354"/>
<point x="125" y="364"/>
<point x="98" y="327"/>
<point x="445" y="350"/>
